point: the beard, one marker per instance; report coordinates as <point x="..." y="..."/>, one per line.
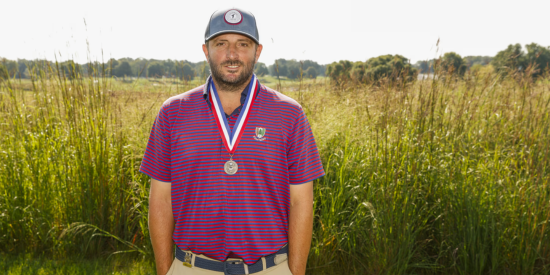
<point x="233" y="84"/>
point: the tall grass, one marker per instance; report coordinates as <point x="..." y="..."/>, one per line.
<point x="445" y="176"/>
<point x="66" y="161"/>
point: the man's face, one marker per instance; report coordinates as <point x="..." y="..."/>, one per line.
<point x="232" y="57"/>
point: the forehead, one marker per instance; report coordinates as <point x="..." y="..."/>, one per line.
<point x="231" y="37"/>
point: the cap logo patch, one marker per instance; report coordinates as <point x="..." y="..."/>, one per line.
<point x="233" y="17"/>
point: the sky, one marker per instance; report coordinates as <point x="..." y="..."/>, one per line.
<point x="322" y="31"/>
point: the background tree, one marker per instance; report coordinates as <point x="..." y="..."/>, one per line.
<point x="425" y="66"/>
<point x="453" y="63"/>
<point x="339" y="71"/>
<point x="311" y="72"/>
<point x="3" y="72"/>
<point x="357" y="72"/>
<point x="319" y="68"/>
<point x="294" y="70"/>
<point x="124" y="69"/>
<point x="92" y="68"/>
<point x="170" y="68"/>
<point x="203" y="69"/>
<point x="278" y="68"/>
<point x="11" y="68"/>
<point x="188" y="72"/>
<point x="389" y="66"/>
<point x="139" y="67"/>
<point x="261" y="69"/>
<point x="538" y="57"/>
<point x="110" y="66"/>
<point x="155" y="70"/>
<point x="511" y="59"/>
<point x="70" y="69"/>
<point x="474" y="60"/>
<point x="336" y="72"/>
<point x="347" y="65"/>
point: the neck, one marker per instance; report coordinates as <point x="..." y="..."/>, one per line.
<point x="230" y="95"/>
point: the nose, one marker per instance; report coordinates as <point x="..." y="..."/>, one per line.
<point x="232" y="53"/>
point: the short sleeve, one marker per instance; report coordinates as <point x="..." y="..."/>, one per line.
<point x="304" y="163"/>
<point x="156" y="162"/>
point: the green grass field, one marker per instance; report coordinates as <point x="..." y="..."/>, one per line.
<point x="443" y="176"/>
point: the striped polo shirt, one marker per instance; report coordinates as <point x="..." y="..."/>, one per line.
<point x="244" y="215"/>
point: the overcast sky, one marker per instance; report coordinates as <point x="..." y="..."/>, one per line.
<point x="321" y="31"/>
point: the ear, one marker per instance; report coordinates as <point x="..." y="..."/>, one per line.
<point x="259" y="51"/>
<point x="205" y="50"/>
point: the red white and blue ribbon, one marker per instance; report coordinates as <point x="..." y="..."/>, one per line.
<point x="230" y="137"/>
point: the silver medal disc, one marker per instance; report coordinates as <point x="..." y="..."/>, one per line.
<point x="231" y="167"/>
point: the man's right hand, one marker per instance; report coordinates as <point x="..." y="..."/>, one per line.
<point x="161" y="224"/>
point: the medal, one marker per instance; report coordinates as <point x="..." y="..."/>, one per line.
<point x="229" y="137"/>
<point x="231" y="167"/>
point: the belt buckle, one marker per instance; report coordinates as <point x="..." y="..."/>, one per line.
<point x="229" y="267"/>
<point x="187" y="260"/>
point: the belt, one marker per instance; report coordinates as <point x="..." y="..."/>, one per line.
<point x="229" y="266"/>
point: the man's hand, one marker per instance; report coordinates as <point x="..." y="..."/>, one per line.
<point x="161" y="224"/>
<point x="300" y="226"/>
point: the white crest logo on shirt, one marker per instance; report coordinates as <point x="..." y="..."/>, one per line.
<point x="233" y="17"/>
<point x="260" y="134"/>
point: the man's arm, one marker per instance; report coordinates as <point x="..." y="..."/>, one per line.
<point x="161" y="224"/>
<point x="300" y="226"/>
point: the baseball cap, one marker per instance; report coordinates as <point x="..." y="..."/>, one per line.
<point x="232" y="21"/>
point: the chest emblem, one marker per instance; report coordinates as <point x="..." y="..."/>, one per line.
<point x="260" y="134"/>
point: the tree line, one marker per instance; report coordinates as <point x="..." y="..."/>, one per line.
<point x="392" y="66"/>
<point x="535" y="60"/>
<point x="124" y="67"/>
<point x="291" y="69"/>
<point x="151" y="68"/>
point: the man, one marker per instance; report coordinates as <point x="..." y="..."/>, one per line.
<point x="231" y="165"/>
